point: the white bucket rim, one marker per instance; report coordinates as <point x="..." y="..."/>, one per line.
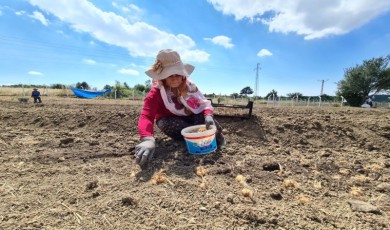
<point x="186" y="131"/>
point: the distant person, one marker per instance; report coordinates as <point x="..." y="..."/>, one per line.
<point x="369" y="102"/>
<point x="36" y="95"/>
<point x="219" y="100"/>
<point x="174" y="102"/>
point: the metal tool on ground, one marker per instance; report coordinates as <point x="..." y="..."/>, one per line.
<point x="233" y="110"/>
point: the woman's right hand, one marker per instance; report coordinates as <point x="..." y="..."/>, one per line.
<point x="144" y="151"/>
<point x="209" y="120"/>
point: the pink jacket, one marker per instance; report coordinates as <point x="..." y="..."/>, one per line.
<point x="154" y="109"/>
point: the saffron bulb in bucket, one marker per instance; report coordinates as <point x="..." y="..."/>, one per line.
<point x="200" y="140"/>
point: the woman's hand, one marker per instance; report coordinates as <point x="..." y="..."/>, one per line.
<point x="209" y="120"/>
<point x="144" y="151"/>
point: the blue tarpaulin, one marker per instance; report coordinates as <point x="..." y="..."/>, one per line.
<point x="89" y="94"/>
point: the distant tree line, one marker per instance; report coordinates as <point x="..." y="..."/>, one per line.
<point x="360" y="82"/>
<point x="118" y="90"/>
<point x="272" y="94"/>
<point x="53" y="86"/>
<point x="368" y="79"/>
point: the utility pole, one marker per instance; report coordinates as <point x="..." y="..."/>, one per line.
<point x="322" y="86"/>
<point x="257" y="78"/>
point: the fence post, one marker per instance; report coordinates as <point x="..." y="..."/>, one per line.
<point x="342" y="101"/>
<point x="268" y="100"/>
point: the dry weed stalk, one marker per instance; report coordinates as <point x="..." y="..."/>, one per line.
<point x="281" y="171"/>
<point x="373" y="167"/>
<point x="317" y="184"/>
<point x="344" y="171"/>
<point x="290" y="183"/>
<point x="356" y="191"/>
<point x="75" y="214"/>
<point x="109" y="223"/>
<point x="160" y="178"/>
<point x="201" y="171"/>
<point x="302" y="199"/>
<point x="203" y="185"/>
<point x="360" y="178"/>
<point x="336" y="177"/>
<point x="241" y="179"/>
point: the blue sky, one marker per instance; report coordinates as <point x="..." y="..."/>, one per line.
<point x="298" y="43"/>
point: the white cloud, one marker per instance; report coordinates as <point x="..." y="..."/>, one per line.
<point x="131" y="12"/>
<point x="194" y="55"/>
<point x="311" y="19"/>
<point x="1" y="12"/>
<point x="135" y="8"/>
<point x="89" y="61"/>
<point x="139" y="38"/>
<point x="128" y="71"/>
<point x="40" y="17"/>
<point x="35" y="73"/>
<point x="19" y="13"/>
<point x="264" y="53"/>
<point x="221" y="40"/>
<point x="128" y="9"/>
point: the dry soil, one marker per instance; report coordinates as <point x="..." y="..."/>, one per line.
<point x="68" y="164"/>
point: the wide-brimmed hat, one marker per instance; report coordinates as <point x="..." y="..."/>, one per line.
<point x="168" y="63"/>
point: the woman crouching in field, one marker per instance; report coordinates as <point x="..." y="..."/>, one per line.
<point x="174" y="102"/>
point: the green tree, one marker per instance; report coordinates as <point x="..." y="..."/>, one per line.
<point x="139" y="87"/>
<point x="56" y="86"/>
<point x="272" y="92"/>
<point x="212" y="95"/>
<point x="369" y="78"/>
<point x="148" y="85"/>
<point x="126" y="85"/>
<point x="118" y="90"/>
<point x="234" y="95"/>
<point x="82" y="85"/>
<point x="245" y="91"/>
<point x="325" y="97"/>
<point x="300" y="95"/>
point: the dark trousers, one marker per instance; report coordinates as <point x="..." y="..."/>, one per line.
<point x="37" y="100"/>
<point x="172" y="126"/>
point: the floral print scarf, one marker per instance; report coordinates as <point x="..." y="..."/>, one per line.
<point x="193" y="103"/>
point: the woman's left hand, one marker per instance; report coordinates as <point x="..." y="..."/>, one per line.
<point x="209" y="120"/>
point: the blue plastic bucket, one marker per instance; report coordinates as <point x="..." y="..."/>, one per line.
<point x="200" y="142"/>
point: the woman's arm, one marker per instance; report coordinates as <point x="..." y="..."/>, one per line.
<point x="148" y="113"/>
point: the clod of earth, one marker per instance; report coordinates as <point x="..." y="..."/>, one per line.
<point x="271" y="166"/>
<point x="92" y="185"/>
<point x="361" y="206"/>
<point x="129" y="201"/>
